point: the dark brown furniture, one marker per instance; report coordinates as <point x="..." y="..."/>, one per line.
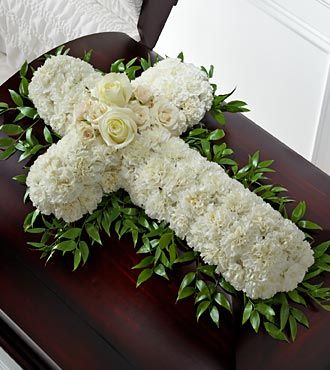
<point x="153" y="16"/>
<point x="96" y="319"/>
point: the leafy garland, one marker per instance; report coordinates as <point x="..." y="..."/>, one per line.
<point x="163" y="251"/>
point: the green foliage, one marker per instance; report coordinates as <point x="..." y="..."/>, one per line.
<point x="23" y="127"/>
<point x="130" y="68"/>
<point x="87" y="56"/>
<point x="219" y="105"/>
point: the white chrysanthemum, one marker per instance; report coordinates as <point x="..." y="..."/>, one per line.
<point x="58" y="86"/>
<point x="183" y="84"/>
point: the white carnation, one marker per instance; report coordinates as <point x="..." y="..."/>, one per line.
<point x="253" y="247"/>
<point x="251" y="244"/>
<point x="70" y="179"/>
<point x="183" y="84"/>
<point x="59" y="85"/>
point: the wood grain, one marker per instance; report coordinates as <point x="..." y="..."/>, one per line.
<point x="95" y="318"/>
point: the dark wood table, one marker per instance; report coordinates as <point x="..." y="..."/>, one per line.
<point x="95" y="318"/>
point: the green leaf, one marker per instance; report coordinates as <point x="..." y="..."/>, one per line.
<point x="264" y="309"/>
<point x="71" y="233"/>
<point x="323" y="266"/>
<point x="24" y="87"/>
<point x="309" y="225"/>
<point x="267" y="164"/>
<point x="216" y="134"/>
<point x="3" y="105"/>
<point x="144" y="276"/>
<point x="247" y="312"/>
<point x="293" y="327"/>
<point x="180" y="56"/>
<point x="88" y="56"/>
<point x="135" y="236"/>
<point x="296" y="297"/>
<point x="115" y="65"/>
<point x="201" y="296"/>
<point x="47" y="135"/>
<point x="218" y="116"/>
<point x="255" y="320"/>
<point x="76" y="259"/>
<point x="222" y="301"/>
<point x="7" y="153"/>
<point x="255" y="159"/>
<point x="160" y="270"/>
<point x="211" y="71"/>
<point x="274" y="331"/>
<point x="84" y="250"/>
<point x="20" y="178"/>
<point x="187" y="280"/>
<point x="201" y="285"/>
<point x="172" y="253"/>
<point x="24" y="155"/>
<point x="144" y="64"/>
<point x="214" y="314"/>
<point x="93" y="233"/>
<point x="197" y="131"/>
<point x="131" y="62"/>
<point x="227" y="161"/>
<point x="16" y="98"/>
<point x="6" y="141"/>
<point x="206" y="148"/>
<point x="321" y="249"/>
<point x="226" y="286"/>
<point x="37" y="230"/>
<point x="165" y="240"/>
<point x="66" y="246"/>
<point x="28" y="136"/>
<point x="28" y="112"/>
<point x="284" y="315"/>
<point x="36" y="149"/>
<point x="18" y="117"/>
<point x="186" y="257"/>
<point x="185" y="292"/>
<point x="144" y="262"/>
<point x="202" y="307"/>
<point x="208" y="270"/>
<point x="11" y="129"/>
<point x="298" y="212"/>
<point x="24" y="69"/>
<point x="36" y="245"/>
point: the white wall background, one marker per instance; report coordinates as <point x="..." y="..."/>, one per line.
<point x="277" y="53"/>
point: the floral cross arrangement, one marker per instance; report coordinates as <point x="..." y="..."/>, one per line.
<point x="132" y="154"/>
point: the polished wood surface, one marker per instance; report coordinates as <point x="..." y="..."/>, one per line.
<point x="153" y="16"/>
<point x="95" y="318"/>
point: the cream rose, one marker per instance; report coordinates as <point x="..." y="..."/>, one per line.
<point x="87" y="132"/>
<point x="142" y="114"/>
<point x="117" y="127"/>
<point x="113" y="89"/>
<point x="143" y="94"/>
<point x="89" y="110"/>
<point x="168" y="115"/>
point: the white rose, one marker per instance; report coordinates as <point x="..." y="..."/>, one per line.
<point x="168" y="115"/>
<point x="142" y="114"/>
<point x="113" y="89"/>
<point x="87" y="132"/>
<point x="89" y="110"/>
<point x="143" y="94"/>
<point x="117" y="127"/>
